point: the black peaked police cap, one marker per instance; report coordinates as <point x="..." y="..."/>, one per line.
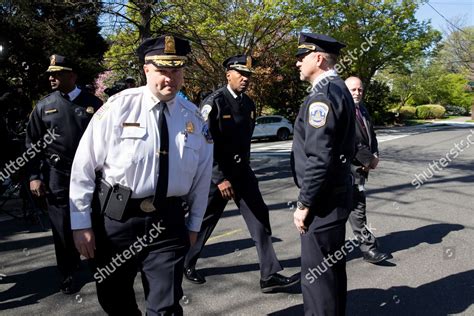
<point x="310" y="42"/>
<point x="164" y="51"/>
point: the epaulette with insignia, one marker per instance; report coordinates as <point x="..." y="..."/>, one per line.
<point x="102" y="110"/>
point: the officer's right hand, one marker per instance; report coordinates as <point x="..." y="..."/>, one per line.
<point x="37" y="188"/>
<point x="226" y="190"/>
<point x="84" y="240"/>
<point x="374" y="163"/>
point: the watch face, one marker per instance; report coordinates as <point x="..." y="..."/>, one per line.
<point x="300" y="205"/>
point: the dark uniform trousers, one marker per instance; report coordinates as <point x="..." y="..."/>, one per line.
<point x="255" y="213"/>
<point x="160" y="262"/>
<point x="358" y="221"/>
<point x="67" y="257"/>
<point x="325" y="292"/>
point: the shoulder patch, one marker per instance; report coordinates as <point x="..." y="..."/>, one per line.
<point x="206" y="133"/>
<point x="206" y="109"/>
<point x="318" y="112"/>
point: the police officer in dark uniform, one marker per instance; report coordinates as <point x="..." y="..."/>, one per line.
<point x="54" y="130"/>
<point x="323" y="147"/>
<point x="230" y="114"/>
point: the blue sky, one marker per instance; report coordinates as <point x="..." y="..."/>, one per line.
<point x="450" y="9"/>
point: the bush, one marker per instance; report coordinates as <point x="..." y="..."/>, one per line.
<point x="455" y="110"/>
<point x="407" y="112"/>
<point x="430" y="111"/>
<point x="377" y="99"/>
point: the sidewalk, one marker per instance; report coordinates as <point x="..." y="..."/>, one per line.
<point x="463" y="120"/>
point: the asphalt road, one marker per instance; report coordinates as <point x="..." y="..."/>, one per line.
<point x="429" y="231"/>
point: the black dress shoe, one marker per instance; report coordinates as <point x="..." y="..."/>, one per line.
<point x="375" y="256"/>
<point x="193" y="276"/>
<point x="277" y="282"/>
<point x="67" y="285"/>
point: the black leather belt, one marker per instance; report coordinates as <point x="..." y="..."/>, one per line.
<point x="58" y="162"/>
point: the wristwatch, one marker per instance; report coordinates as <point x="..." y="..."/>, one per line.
<point x="301" y="206"/>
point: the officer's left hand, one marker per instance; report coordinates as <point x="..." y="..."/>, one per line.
<point x="192" y="237"/>
<point x="299" y="217"/>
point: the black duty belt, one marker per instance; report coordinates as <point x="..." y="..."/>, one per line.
<point x="58" y="162"/>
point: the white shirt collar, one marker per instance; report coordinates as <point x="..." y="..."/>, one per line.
<point x="74" y="93"/>
<point x="150" y="101"/>
<point x="329" y="73"/>
<point x="231" y="91"/>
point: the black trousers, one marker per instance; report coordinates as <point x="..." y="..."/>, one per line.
<point x="323" y="259"/>
<point x="256" y="215"/>
<point x="154" y="244"/>
<point x="358" y="221"/>
<point x="67" y="257"/>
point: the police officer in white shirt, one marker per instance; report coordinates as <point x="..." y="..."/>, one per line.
<point x="154" y="144"/>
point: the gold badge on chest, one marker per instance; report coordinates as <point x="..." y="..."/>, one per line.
<point x="189" y="127"/>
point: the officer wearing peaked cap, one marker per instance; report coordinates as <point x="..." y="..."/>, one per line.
<point x="230" y="114"/>
<point x="155" y="156"/>
<point x="58" y="122"/>
<point x="323" y="147"/>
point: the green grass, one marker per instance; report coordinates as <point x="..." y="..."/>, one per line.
<point x="450" y="117"/>
<point x="412" y="122"/>
<point x="470" y="121"/>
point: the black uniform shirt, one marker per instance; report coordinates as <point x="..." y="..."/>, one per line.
<point x="231" y="124"/>
<point x="323" y="141"/>
<point x="64" y="121"/>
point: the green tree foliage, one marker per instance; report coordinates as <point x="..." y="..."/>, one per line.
<point x="217" y="30"/>
<point x="379" y="34"/>
<point x="431" y="83"/>
<point x="33" y="30"/>
<point x="457" y="51"/>
<point x="389" y="26"/>
<point x="378" y="100"/>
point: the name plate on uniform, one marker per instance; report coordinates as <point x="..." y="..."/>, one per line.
<point x="125" y="124"/>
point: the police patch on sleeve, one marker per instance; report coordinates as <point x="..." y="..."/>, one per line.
<point x="207" y="133"/>
<point x="206" y="109"/>
<point x="318" y="112"/>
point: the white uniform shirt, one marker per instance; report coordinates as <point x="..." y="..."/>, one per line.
<point x="122" y="140"/>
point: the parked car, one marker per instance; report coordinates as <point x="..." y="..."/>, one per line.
<point x="271" y="126"/>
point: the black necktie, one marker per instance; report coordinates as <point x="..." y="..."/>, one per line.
<point x="162" y="185"/>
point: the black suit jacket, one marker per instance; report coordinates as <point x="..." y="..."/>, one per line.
<point x="366" y="148"/>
